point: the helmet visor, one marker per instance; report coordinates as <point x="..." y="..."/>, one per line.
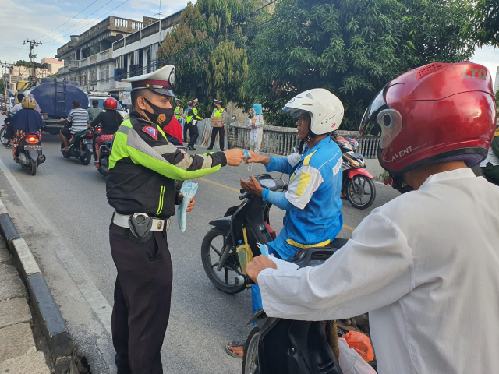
<point x="369" y="125"/>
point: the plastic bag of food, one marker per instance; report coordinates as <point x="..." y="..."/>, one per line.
<point x="188" y="191"/>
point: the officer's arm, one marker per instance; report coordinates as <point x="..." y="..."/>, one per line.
<point x="164" y="159"/>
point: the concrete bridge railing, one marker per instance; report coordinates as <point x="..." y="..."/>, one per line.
<point x="281" y="140"/>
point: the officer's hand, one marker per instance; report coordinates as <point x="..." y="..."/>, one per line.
<point x="252" y="186"/>
<point x="258" y="264"/>
<point x="234" y="156"/>
<point x="191" y="205"/>
<point x="257" y="158"/>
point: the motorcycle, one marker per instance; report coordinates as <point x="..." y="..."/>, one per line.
<point x="29" y="152"/>
<point x="105" y="145"/>
<point x="80" y="146"/>
<point x="358" y="185"/>
<point x="249" y="222"/>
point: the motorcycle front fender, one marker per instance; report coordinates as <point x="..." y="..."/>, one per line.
<point x="361" y="171"/>
<point x="33" y="155"/>
<point x="222" y="223"/>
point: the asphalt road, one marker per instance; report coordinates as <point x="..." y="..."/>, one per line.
<point x="63" y="214"/>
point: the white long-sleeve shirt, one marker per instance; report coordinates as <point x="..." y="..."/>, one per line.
<point x="426" y="268"/>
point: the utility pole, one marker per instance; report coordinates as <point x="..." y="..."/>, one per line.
<point x="32" y="45"/>
<point x="160" y="15"/>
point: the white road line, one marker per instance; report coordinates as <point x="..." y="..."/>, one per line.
<point x="96" y="300"/>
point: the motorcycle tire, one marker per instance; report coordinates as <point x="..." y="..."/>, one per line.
<point x="86" y="157"/>
<point x="104" y="167"/>
<point x="65" y="154"/>
<point x="209" y="268"/>
<point x="351" y="193"/>
<point x="250" y="358"/>
<point x="33" y="167"/>
<point x="5" y="141"/>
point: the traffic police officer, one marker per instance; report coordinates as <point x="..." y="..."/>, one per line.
<point x="191" y="119"/>
<point x="217" y="124"/>
<point x="143" y="168"/>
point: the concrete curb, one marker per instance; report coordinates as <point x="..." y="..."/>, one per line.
<point x="47" y="313"/>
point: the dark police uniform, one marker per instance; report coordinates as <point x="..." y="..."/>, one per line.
<point x="143" y="168"/>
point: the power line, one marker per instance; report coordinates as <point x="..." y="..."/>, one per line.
<point x="77" y="14"/>
<point x="81" y="29"/>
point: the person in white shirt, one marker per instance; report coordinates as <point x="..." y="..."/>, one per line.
<point x="425" y="265"/>
<point x="77" y="121"/>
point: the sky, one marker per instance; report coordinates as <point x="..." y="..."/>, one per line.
<point x="52" y="21"/>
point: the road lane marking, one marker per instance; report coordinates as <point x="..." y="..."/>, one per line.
<point x="219" y="185"/>
<point x="345" y="226"/>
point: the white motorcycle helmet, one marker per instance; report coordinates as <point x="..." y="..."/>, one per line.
<point x="325" y="109"/>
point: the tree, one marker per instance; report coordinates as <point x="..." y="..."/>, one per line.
<point x="487" y="22"/>
<point x="208" y="48"/>
<point x="352" y="47"/>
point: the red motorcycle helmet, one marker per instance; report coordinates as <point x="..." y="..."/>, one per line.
<point x="435" y="113"/>
<point x="110" y="103"/>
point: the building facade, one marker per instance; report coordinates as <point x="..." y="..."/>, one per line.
<point x="54" y="64"/>
<point x="87" y="57"/>
<point x="116" y="48"/>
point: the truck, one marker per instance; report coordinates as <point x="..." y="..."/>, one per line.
<point x="55" y="98"/>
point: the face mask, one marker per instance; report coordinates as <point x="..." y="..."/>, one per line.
<point x="160" y="116"/>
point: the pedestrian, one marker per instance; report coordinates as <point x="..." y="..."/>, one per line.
<point x="218" y="125"/>
<point x="94" y="111"/>
<point x="141" y="187"/>
<point x="186" y="113"/>
<point x="192" y="118"/>
<point x="256" y="124"/>
<point x="424" y="265"/>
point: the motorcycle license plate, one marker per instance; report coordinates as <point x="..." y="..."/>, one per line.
<point x="33" y="147"/>
<point x="87" y="141"/>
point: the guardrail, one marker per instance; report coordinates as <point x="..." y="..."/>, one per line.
<point x="281" y="140"/>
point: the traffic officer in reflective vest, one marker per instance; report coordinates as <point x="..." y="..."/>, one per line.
<point x="217" y="124"/>
<point x="141" y="187"/>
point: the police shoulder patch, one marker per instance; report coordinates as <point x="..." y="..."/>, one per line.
<point x="151" y="131"/>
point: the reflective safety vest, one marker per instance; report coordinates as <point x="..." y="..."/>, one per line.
<point x="217" y="117"/>
<point x="177" y="113"/>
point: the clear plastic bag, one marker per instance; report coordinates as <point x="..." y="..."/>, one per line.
<point x="188" y="191"/>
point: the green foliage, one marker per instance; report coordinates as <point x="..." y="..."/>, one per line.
<point x="208" y="48"/>
<point x="352" y="47"/>
<point x="487" y="21"/>
<point x="497" y="99"/>
<point x="29" y="64"/>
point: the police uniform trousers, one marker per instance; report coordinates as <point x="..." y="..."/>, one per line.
<point x="221" y="137"/>
<point x="193" y="134"/>
<point x="142" y="298"/>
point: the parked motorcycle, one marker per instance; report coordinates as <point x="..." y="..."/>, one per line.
<point x="29" y="152"/>
<point x="105" y="145"/>
<point x="249" y="222"/>
<point x="80" y="146"/>
<point x="358" y="185"/>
